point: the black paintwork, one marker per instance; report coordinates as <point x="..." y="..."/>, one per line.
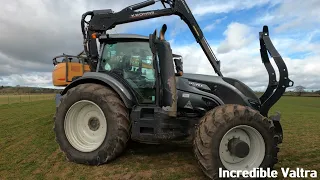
<point x="228" y="90"/>
<point x="153" y="125"/>
<point x="105" y="79"/>
<point x="275" y="89"/>
<point x="162" y="50"/>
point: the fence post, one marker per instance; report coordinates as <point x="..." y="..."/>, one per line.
<point x="8" y="100"/>
<point x="29" y="97"/>
<point x="20" y="97"/>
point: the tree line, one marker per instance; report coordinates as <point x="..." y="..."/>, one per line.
<point x="26" y="90"/>
<point x="300" y="90"/>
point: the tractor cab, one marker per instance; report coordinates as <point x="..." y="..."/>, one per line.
<point x="135" y="60"/>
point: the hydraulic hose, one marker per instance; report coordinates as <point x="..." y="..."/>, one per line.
<point x="142" y="5"/>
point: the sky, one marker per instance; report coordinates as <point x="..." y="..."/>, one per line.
<point x="33" y="32"/>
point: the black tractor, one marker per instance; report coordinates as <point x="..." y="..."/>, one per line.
<point x="136" y="89"/>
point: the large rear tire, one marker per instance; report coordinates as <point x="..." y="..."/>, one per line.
<point x="234" y="137"/>
<point x="92" y="124"/>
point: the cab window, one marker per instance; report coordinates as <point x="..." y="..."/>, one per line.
<point x="134" y="63"/>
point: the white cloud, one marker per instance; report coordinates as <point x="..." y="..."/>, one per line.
<point x="210" y="27"/>
<point x="298" y="44"/>
<point x="237" y="36"/>
<point x="207" y="7"/>
<point x="244" y="62"/>
<point x="294" y="15"/>
<point x="28" y="79"/>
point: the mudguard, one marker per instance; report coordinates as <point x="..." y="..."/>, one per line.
<point x="105" y="79"/>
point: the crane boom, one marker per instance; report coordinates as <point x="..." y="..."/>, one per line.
<point x="103" y="20"/>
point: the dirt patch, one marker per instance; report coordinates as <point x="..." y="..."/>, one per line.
<point x="49" y="160"/>
<point x="146" y="174"/>
<point x="133" y="175"/>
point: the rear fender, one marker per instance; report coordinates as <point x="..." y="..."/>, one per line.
<point x="107" y="80"/>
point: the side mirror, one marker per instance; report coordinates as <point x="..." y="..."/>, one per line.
<point x="178" y="61"/>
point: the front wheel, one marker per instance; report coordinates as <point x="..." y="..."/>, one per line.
<point x="92" y="124"/>
<point x="234" y="137"/>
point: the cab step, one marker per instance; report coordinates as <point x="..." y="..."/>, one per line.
<point x="152" y="125"/>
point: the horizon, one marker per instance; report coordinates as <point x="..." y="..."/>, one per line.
<point x="57" y="88"/>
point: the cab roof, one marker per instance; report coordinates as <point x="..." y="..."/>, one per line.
<point x="123" y="36"/>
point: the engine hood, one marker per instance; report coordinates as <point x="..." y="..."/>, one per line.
<point x="230" y="91"/>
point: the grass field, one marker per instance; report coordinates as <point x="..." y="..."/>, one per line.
<point x="29" y="150"/>
<point x="9" y="99"/>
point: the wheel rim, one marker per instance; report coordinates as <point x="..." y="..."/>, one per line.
<point x="254" y="141"/>
<point x="85" y="126"/>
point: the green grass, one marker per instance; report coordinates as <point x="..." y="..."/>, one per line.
<point x="29" y="151"/>
<point x="300" y="120"/>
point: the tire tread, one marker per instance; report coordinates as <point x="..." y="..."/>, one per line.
<point x="212" y="122"/>
<point x="120" y="115"/>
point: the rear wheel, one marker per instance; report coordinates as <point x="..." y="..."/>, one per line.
<point x="92" y="124"/>
<point x="234" y="137"/>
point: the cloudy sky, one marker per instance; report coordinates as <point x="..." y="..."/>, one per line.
<point x="32" y="32"/>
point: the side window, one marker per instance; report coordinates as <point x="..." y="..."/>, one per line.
<point x="133" y="62"/>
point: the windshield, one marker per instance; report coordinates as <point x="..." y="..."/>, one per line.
<point x="130" y="56"/>
<point x="133" y="61"/>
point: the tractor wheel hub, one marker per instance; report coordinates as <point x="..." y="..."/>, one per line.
<point x="94" y="123"/>
<point x="242" y="148"/>
<point x="238" y="148"/>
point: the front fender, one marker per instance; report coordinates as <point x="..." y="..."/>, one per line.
<point x="107" y="80"/>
